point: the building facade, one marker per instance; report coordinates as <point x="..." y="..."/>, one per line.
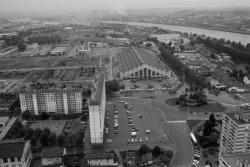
<point x="97" y="111"/>
<point x="235" y="160"/>
<point x="235" y="135"/>
<point x="101" y="159"/>
<point x="60" y="101"/>
<point x="15" y="153"/>
<point x="53" y="156"/>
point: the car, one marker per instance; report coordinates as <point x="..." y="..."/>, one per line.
<point x="140" y="140"/>
<point x="107" y="117"/>
<point x="131" y="124"/>
<point x="147" y="130"/>
<point x="140" y="116"/>
<point x="116" y="116"/>
<point x="115" y="112"/>
<point x="132" y="140"/>
<point x="146" y="139"/>
<point x="129" y="140"/>
<point x="136" y="140"/>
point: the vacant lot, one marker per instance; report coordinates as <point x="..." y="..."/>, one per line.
<point x="56" y="126"/>
<point x="77" y="61"/>
<point x="26" y="62"/>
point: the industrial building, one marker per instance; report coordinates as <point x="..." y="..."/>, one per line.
<point x="56" y="101"/>
<point x="138" y="64"/>
<point x="97" y="111"/>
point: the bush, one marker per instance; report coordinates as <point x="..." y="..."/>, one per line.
<point x="143" y="149"/>
<point x="44" y="116"/>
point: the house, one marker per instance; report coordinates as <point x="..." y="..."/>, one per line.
<point x="145" y="159"/>
<point x="130" y="158"/>
<point x="15" y="153"/>
<point x="246" y="80"/>
<point x="53" y="156"/>
<point x="101" y="159"/>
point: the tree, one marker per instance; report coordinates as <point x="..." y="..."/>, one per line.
<point x="79" y="138"/>
<point x="143" y="149"/>
<point x="26" y="115"/>
<point x="47" y="131"/>
<point x="52" y="139"/>
<point x="207" y="128"/>
<point x="212" y="119"/>
<point x="28" y="133"/>
<point x="21" y="46"/>
<point x="112" y="86"/>
<point x="44" y="139"/>
<point x="33" y="139"/>
<point x="248" y="47"/>
<point x="61" y="139"/>
<point x="44" y="116"/>
<point x="156" y="151"/>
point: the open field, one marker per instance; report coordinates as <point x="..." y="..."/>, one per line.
<point x="77" y="61"/>
<point x="56" y="126"/>
<point x="72" y="75"/>
<point x="26" y="62"/>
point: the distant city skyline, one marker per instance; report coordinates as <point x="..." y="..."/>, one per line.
<point x="81" y="6"/>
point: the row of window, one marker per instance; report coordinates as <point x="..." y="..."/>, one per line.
<point x="12" y="159"/>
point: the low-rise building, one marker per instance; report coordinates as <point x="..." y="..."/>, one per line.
<point x="53" y="156"/>
<point x="7" y="126"/>
<point x="101" y="159"/>
<point x="15" y="153"/>
<point x="58" y="51"/>
<point x="235" y="160"/>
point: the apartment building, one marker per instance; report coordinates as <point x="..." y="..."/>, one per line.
<point x="235" y="138"/>
<point x="15" y="153"/>
<point x="235" y="160"/>
<point x="56" y="101"/>
<point x="235" y="133"/>
<point x="97" y="111"/>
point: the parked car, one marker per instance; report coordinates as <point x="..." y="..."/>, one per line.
<point x="147" y="130"/>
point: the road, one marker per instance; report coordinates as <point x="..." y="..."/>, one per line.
<point x="44" y="68"/>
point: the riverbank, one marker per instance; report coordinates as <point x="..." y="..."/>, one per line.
<point x="232" y="35"/>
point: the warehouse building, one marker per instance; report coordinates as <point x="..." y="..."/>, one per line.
<point x="58" y="51"/>
<point x="97" y="111"/>
<point x="56" y="101"/>
<point x="138" y="64"/>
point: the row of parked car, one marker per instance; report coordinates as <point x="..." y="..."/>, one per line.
<point x="196" y="158"/>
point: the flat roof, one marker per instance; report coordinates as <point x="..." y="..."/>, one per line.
<point x="241" y="116"/>
<point x="98" y="90"/>
<point x="232" y="159"/>
<point x="130" y="58"/>
<point x="52" y="152"/>
<point x="58" y="49"/>
<point x="11" y="148"/>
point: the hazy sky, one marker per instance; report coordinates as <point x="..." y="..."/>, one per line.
<point x="31" y="6"/>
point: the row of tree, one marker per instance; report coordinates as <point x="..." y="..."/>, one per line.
<point x="45" y="39"/>
<point x="237" y="51"/>
<point x="44" y="137"/>
<point x="193" y="78"/>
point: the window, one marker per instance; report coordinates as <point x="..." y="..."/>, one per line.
<point x="12" y="159"/>
<point x="5" y="160"/>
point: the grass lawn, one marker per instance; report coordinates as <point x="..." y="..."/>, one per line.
<point x="56" y="126"/>
<point x="193" y="123"/>
<point x="210" y="108"/>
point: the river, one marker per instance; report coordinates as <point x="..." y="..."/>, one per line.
<point x="237" y="37"/>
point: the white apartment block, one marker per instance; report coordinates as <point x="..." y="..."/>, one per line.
<point x="59" y="101"/>
<point x="235" y="135"/>
<point x="97" y="111"/>
<point x="16" y="153"/>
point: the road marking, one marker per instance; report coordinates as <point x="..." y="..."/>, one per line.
<point x="178" y="121"/>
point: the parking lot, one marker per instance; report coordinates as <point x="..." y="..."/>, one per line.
<point x="139" y="119"/>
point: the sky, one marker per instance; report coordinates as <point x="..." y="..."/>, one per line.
<point x="37" y="6"/>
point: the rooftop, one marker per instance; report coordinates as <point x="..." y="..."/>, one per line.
<point x="50" y="90"/>
<point x="130" y="58"/>
<point x="98" y="90"/>
<point x="104" y="155"/>
<point x="241" y="116"/>
<point x="233" y="159"/>
<point x="11" y="148"/>
<point x="58" y="49"/>
<point x="52" y="152"/>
